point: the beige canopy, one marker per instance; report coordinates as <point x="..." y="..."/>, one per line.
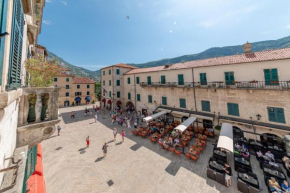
<point x="154" y="116"/>
<point x="226" y="137"/>
<point x="183" y="126"/>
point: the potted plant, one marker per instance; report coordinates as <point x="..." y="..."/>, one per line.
<point x="31" y="113"/>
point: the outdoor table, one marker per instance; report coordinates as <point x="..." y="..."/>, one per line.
<point x="274" y="173"/>
<point x="216" y="166"/>
<point x="249" y="179"/>
<point x="220" y="153"/>
<point x="242" y="161"/>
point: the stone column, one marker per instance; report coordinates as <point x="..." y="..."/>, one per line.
<point x="54" y="104"/>
<point x="25" y="109"/>
<point x="21" y="112"/>
<point x="38" y="107"/>
<point x="49" y="106"/>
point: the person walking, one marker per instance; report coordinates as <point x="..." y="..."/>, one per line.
<point x="105" y="149"/>
<point x="88" y="141"/>
<point x="58" y="130"/>
<point x="112" y="122"/>
<point x="72" y="115"/>
<point x="96" y="117"/>
<point x="115" y="132"/>
<point x="129" y="124"/>
<point x="123" y="135"/>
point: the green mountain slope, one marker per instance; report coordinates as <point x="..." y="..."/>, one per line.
<point x="209" y="53"/>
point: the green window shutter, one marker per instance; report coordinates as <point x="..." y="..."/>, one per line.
<point x="128" y="80"/>
<point x="110" y="82"/>
<point x="149" y="98"/>
<point x="118" y="94"/>
<point x="180" y="79"/>
<point x="203" y="79"/>
<point x="117" y="71"/>
<point x="110" y="94"/>
<point x="55" y="79"/>
<point x="274" y="77"/>
<point x="229" y="78"/>
<point x="233" y="109"/>
<point x="280" y="115"/>
<point x="182" y="103"/>
<point x="16" y="45"/>
<point x="164" y="100"/>
<point x="137" y="80"/>
<point x="163" y="80"/>
<point x="205" y="106"/>
<point x="3" y="19"/>
<point x="129" y="96"/>
<point x="118" y="82"/>
<point x="104" y="72"/>
<point x="276" y="115"/>
<point x="109" y="72"/>
<point x="30" y="166"/>
<point x="138" y="97"/>
<point x="267" y="76"/>
<point x="149" y="80"/>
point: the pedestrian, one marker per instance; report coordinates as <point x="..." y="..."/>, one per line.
<point x="112" y="122"/>
<point x="115" y="132"/>
<point x="72" y="115"/>
<point x="96" y="117"/>
<point x="135" y="125"/>
<point x="105" y="146"/>
<point x="123" y="135"/>
<point x="85" y="112"/>
<point x="228" y="174"/>
<point x="58" y="130"/>
<point x="129" y="124"/>
<point x="88" y="141"/>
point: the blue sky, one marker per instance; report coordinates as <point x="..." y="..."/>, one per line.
<point x="95" y="33"/>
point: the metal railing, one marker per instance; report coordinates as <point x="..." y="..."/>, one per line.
<point x="221" y="84"/>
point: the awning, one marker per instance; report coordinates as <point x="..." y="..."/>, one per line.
<point x="226" y="137"/>
<point x="154" y="116"/>
<point x="88" y="98"/>
<point x="184" y="125"/>
<point x="179" y="114"/>
<point x="78" y="99"/>
<point x="103" y="100"/>
<point x="118" y="102"/>
<point x="167" y="110"/>
<point x="109" y="102"/>
<point x="202" y="117"/>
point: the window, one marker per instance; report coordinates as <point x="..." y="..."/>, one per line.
<point x="110" y="94"/>
<point x="67" y="79"/>
<point x="55" y="79"/>
<point x="149" y="98"/>
<point x="163" y="81"/>
<point x="164" y="100"/>
<point x="67" y="86"/>
<point x="104" y="83"/>
<point x="118" y="94"/>
<point x="233" y="109"/>
<point x="271" y="76"/>
<point x="104" y="72"/>
<point x="137" y="80"/>
<point x="88" y="86"/>
<point x="203" y="79"/>
<point x="67" y="94"/>
<point x="118" y="82"/>
<point x="180" y="79"/>
<point x="78" y="93"/>
<point x="129" y="80"/>
<point x="149" y="80"/>
<point x="276" y="115"/>
<point x="205" y="106"/>
<point x="129" y="96"/>
<point x="229" y="78"/>
<point x="109" y="72"/>
<point x="117" y="71"/>
<point x="88" y="92"/>
<point x="109" y="82"/>
<point x="182" y="103"/>
<point x="78" y="86"/>
<point x="138" y="97"/>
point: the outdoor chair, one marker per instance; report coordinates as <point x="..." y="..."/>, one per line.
<point x="253" y="190"/>
<point x="187" y="155"/>
<point x="242" y="186"/>
<point x="160" y="143"/>
<point x="172" y="149"/>
<point x="210" y="174"/>
<point x="177" y="152"/>
<point x="220" y="178"/>
<point x="194" y="158"/>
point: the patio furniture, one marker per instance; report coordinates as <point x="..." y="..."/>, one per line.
<point x="220" y="178"/>
<point x="253" y="190"/>
<point x="194" y="158"/>
<point x="242" y="186"/>
<point x="249" y="179"/>
<point x="177" y="152"/>
<point x="188" y="155"/>
<point x="274" y="173"/>
<point x="210" y="174"/>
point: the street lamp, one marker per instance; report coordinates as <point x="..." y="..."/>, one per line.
<point x="258" y="117"/>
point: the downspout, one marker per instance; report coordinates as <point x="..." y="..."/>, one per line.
<point x="194" y="96"/>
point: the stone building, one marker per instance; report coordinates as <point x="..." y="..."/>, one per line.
<point x="74" y="90"/>
<point x="250" y="91"/>
<point x="20" y="25"/>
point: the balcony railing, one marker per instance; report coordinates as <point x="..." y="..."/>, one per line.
<point x="220" y="84"/>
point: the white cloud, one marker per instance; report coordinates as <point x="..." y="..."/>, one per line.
<point x="174" y="23"/>
<point x="170" y="31"/>
<point x="64" y="3"/>
<point x="48" y="1"/>
<point x="288" y="26"/>
<point x="46" y="22"/>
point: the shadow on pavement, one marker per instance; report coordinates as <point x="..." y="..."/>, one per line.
<point x="79" y="117"/>
<point x="99" y="159"/>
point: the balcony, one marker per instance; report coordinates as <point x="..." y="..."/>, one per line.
<point x="275" y="85"/>
<point x="37" y="116"/>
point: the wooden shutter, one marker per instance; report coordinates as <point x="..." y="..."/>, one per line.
<point x="3" y="19"/>
<point x="267" y="76"/>
<point x="118" y="82"/>
<point x="164" y="100"/>
<point x="280" y="115"/>
<point x="205" y="105"/>
<point x="274" y="77"/>
<point x="109" y="72"/>
<point x="129" y="96"/>
<point x="118" y="94"/>
<point x="128" y="80"/>
<point x="163" y="81"/>
<point x="149" y="80"/>
<point x="16" y="45"/>
<point x="229" y="78"/>
<point x="137" y="80"/>
<point x="110" y="94"/>
<point x="149" y="98"/>
<point x="182" y="103"/>
<point x="236" y="109"/>
<point x="180" y="79"/>
<point x="118" y="71"/>
<point x="203" y="79"/>
<point x="271" y="114"/>
<point x="138" y="97"/>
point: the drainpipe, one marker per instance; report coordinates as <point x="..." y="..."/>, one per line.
<point x="194" y="96"/>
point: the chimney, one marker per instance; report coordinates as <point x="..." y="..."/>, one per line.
<point x="247" y="48"/>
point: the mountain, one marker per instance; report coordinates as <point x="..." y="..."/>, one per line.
<point x="78" y="71"/>
<point x="209" y="53"/>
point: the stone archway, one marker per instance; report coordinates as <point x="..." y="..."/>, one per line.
<point x="130" y="105"/>
<point x="271" y="138"/>
<point x="237" y="132"/>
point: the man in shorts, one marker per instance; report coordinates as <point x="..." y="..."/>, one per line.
<point x="228" y="174"/>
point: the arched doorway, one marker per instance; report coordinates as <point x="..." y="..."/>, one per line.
<point x="237" y="132"/>
<point x="88" y="99"/>
<point x="104" y="102"/>
<point x="118" y="104"/>
<point x="130" y="106"/>
<point x="271" y="139"/>
<point x="78" y="100"/>
<point x="66" y="103"/>
<point x="110" y="103"/>
<point x="183" y="119"/>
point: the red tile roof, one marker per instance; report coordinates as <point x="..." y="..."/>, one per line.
<point x="83" y="80"/>
<point x="121" y="65"/>
<point x="267" y="55"/>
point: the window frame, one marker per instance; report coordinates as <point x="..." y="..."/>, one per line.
<point x="180" y="103"/>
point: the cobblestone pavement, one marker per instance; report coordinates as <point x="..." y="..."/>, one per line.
<point x="137" y="165"/>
